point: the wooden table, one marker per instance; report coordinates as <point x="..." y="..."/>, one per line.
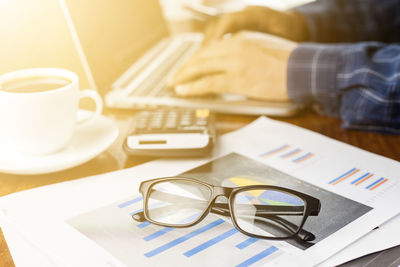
<point x="114" y="158"/>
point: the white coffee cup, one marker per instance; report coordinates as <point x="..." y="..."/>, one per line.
<point x="35" y="120"/>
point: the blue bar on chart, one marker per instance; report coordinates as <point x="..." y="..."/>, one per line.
<point x="365" y="178"/>
<point x="291" y="153"/>
<point x="344" y="176"/>
<point x="165" y="230"/>
<point x="158" y="233"/>
<point x="141" y="210"/>
<point x="182" y="239"/>
<point x="360" y="179"/>
<point x="258" y="257"/>
<point x="143" y="224"/>
<point x="274" y="151"/>
<point x="247" y="243"/>
<point x="130" y="202"/>
<point x="210" y="242"/>
<point x="303" y="158"/>
<point x="377" y="183"/>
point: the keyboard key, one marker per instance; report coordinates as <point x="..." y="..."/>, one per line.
<point x="201" y="122"/>
<point x="186" y="122"/>
<point x="202" y="113"/>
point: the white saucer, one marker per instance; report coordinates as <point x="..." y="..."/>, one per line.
<point x="89" y="140"/>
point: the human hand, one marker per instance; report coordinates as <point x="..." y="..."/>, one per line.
<point x="251" y="64"/>
<point x="286" y="24"/>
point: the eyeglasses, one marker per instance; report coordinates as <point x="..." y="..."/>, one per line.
<point x="260" y="211"/>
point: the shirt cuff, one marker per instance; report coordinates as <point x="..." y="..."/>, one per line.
<point x="311" y="79"/>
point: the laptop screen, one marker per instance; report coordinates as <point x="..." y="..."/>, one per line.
<point x="114" y="34"/>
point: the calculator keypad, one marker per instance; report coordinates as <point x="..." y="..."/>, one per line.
<point x="172" y="121"/>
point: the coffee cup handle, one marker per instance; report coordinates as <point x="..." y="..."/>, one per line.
<point x="98" y="101"/>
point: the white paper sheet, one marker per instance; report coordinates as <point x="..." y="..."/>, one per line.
<point x="386" y="236"/>
<point x="41" y="215"/>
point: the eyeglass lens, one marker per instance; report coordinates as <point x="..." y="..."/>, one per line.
<point x="269" y="213"/>
<point x="265" y="212"/>
<point x="177" y="202"/>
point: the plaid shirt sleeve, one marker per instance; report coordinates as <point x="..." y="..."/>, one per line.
<point x="359" y="82"/>
<point x="352" y="20"/>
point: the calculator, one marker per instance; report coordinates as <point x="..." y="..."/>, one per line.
<point x="171" y="132"/>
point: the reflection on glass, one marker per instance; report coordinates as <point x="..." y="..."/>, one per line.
<point x="177" y="202"/>
<point x="268" y="212"/>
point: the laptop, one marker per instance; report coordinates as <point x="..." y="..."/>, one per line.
<point x="130" y="56"/>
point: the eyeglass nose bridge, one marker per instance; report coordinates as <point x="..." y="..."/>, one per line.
<point x="220" y="191"/>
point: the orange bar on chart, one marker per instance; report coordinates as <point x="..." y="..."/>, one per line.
<point x="347" y="176"/>
<point x="274" y="151"/>
<point x="375" y="186"/>
<point x="303" y="158"/>
<point x="363" y="180"/>
<point x="291" y="153"/>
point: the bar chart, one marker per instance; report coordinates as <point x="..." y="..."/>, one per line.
<point x="214" y="241"/>
<point x="288" y="152"/>
<point x="154" y="233"/>
<point x="359" y="178"/>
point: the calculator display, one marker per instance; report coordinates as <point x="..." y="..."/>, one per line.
<point x="171" y="132"/>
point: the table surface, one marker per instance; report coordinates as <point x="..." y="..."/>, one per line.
<point x="114" y="158"/>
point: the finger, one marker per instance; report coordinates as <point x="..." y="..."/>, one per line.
<point x="227" y="24"/>
<point x="219" y="50"/>
<point x="206" y="85"/>
<point x="198" y="69"/>
<point x="211" y="60"/>
<point x="209" y="32"/>
<point x="219" y="27"/>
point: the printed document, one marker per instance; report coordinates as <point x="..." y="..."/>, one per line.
<point x="88" y="222"/>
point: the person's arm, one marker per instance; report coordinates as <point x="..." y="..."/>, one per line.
<point x="319" y="21"/>
<point x="287" y="24"/>
<point x="248" y="63"/>
<point x="358" y="82"/>
<point x="352" y="20"/>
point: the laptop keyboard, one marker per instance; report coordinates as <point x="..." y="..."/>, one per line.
<point x="155" y="84"/>
<point x="144" y="84"/>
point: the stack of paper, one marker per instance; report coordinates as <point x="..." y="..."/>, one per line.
<point x="88" y="222"/>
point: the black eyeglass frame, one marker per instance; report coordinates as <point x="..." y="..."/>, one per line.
<point x="312" y="204"/>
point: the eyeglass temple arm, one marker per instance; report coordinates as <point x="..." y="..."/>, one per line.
<point x="264" y="209"/>
<point x="303" y="234"/>
<point x="222" y="209"/>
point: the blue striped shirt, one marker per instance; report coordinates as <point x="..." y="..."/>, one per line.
<point x="351" y="66"/>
